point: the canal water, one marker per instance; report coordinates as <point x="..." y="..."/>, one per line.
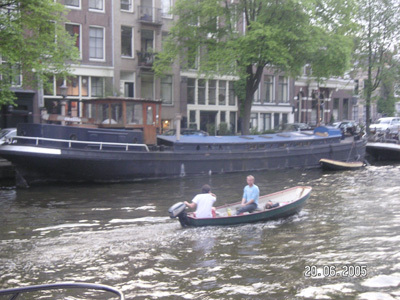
<point x="344" y="244"/>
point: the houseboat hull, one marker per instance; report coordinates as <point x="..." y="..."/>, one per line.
<point x="36" y="164"/>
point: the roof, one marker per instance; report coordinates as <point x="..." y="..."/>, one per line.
<point x="279" y="137"/>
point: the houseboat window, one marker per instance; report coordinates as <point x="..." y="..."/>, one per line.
<point x="116" y="113"/>
<point x="198" y="148"/>
<point x="104" y="114"/>
<point x="134" y="114"/>
<point x="149" y="115"/>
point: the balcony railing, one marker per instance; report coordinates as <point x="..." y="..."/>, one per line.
<point x="146" y="59"/>
<point x="150" y="15"/>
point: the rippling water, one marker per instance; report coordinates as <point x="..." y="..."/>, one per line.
<point x="120" y="235"/>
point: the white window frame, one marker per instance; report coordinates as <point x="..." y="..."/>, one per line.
<point x="104" y="44"/>
<point x="166" y="15"/>
<point x="96" y="9"/>
<point x="75" y="7"/>
<point x="130" y="6"/>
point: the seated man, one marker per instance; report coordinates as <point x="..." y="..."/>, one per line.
<point x="250" y="197"/>
<point x="203" y="203"/>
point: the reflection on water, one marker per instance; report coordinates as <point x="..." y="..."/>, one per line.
<point x="120" y="235"/>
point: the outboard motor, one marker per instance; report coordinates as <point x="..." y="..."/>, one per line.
<point x="179" y="210"/>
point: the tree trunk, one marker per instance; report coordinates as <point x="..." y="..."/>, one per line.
<point x="252" y="84"/>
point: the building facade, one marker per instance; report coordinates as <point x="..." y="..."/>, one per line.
<point x="118" y="40"/>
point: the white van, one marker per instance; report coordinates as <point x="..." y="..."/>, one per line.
<point x="388" y="125"/>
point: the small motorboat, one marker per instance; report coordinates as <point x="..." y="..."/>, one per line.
<point x="15" y="292"/>
<point x="336" y="165"/>
<point x="281" y="205"/>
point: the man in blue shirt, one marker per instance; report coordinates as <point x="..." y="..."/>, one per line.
<point x="250" y="197"/>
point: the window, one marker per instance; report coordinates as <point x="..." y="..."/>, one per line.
<point x="126" y="41"/>
<point x="129" y="89"/>
<point x="223" y="117"/>
<point x="231" y="94"/>
<point x="268" y="89"/>
<point x="134" y="113"/>
<point x="266" y="121"/>
<point x="97" y="86"/>
<point x="166" y="89"/>
<point x="149" y="115"/>
<point x="253" y="121"/>
<point x="222" y="92"/>
<point x="96" y="5"/>
<point x="73" y="86"/>
<point x="212" y="90"/>
<point x="190" y="90"/>
<point x="147" y="81"/>
<point x="96" y="43"/>
<point x="283" y="90"/>
<point x="74" y="30"/>
<point x="201" y="91"/>
<point x="276" y="120"/>
<point x="11" y="74"/>
<point x="85" y="86"/>
<point x="126" y="5"/>
<point x="192" y="116"/>
<point x="73" y="3"/>
<point x="166" y="8"/>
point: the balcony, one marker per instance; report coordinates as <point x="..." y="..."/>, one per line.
<point x="146" y="59"/>
<point x="150" y="15"/>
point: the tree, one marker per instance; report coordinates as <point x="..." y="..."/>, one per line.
<point x="386" y="101"/>
<point x="243" y="37"/>
<point x="34" y="43"/>
<point x="379" y="21"/>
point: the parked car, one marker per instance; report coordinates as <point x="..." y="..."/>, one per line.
<point x="296" y="127"/>
<point x="386" y="125"/>
<point x="347" y="127"/>
<point x="186" y="131"/>
<point x="6" y="134"/>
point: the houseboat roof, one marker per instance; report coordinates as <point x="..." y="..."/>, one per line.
<point x="243" y="139"/>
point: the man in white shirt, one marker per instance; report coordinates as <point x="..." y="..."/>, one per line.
<point x="203" y="203"/>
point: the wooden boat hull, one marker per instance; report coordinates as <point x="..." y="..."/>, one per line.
<point x="291" y="201"/>
<point x="384" y="151"/>
<point x="335" y="165"/>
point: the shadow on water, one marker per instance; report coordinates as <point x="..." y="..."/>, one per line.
<point x="121" y="235"/>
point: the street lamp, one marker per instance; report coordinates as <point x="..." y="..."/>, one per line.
<point x="63" y="92"/>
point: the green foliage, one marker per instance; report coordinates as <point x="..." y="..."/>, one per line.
<point x="223" y="129"/>
<point x="379" y="23"/>
<point x="33" y="42"/>
<point x="281" y="34"/>
<point x="386" y="101"/>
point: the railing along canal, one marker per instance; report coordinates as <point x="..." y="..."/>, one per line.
<point x="71" y="142"/>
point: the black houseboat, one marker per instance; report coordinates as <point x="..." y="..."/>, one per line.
<point x="44" y="152"/>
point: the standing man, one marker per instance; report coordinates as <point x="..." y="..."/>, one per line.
<point x="203" y="203"/>
<point x="250" y="197"/>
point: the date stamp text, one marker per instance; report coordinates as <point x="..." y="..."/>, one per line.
<point x="354" y="271"/>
